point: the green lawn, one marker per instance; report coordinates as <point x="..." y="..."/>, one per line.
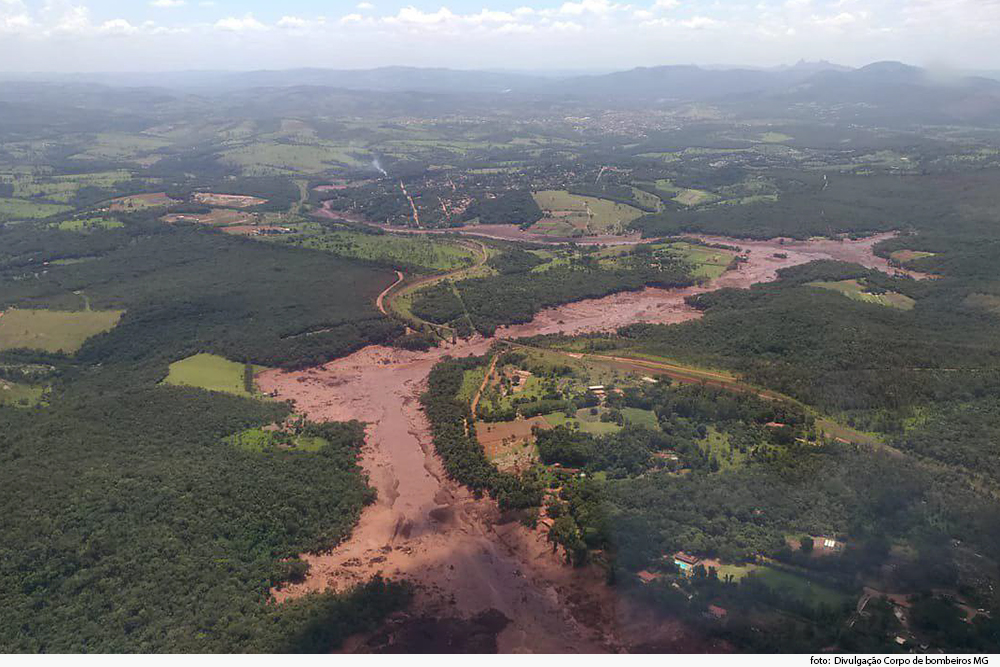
<point x="211" y="372"/>
<point x="587" y="422"/>
<point x="800" y="588"/>
<point x="854" y="289"/>
<point x="53" y="330"/>
<point x="640" y="417"/>
<point x="258" y="440"/>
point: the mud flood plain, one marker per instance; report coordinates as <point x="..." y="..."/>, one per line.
<point x="482" y="581"/>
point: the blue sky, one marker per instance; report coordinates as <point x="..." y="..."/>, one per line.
<point x="151" y="35"/>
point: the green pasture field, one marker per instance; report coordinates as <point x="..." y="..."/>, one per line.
<point x="706" y="262"/>
<point x="435" y="255"/>
<point x="685" y="196"/>
<point x="904" y="256"/>
<point x="265" y="158"/>
<point x="20" y="395"/>
<point x="587" y="422"/>
<point x="567" y="212"/>
<point x="802" y="589"/>
<point x="53" y="330"/>
<point x="21" y="209"/>
<point x="787" y="584"/>
<point x="774" y="137"/>
<point x="647" y="199"/>
<point x="854" y="289"/>
<point x="211" y="372"/>
<point x="120" y="146"/>
<point x="86" y="225"/>
<point x="640" y="417"/>
<point x="61" y="188"/>
<point x="258" y="440"/>
<point x="472" y="379"/>
<point x="690" y="197"/>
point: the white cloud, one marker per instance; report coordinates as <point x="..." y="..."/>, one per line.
<point x="567" y="26"/>
<point x="698" y="23"/>
<point x="167" y="4"/>
<point x="117" y="27"/>
<point x="65" y="18"/>
<point x="599" y="7"/>
<point x="666" y="4"/>
<point x="835" y="21"/>
<point x="413" y="16"/>
<point x="235" y="24"/>
<point x="487" y="16"/>
<point x="516" y="28"/>
<point x="14" y="17"/>
<point x="351" y="18"/>
<point x="365" y="6"/>
<point x="292" y="22"/>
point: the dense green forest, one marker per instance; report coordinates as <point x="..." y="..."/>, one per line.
<point x="516" y="208"/>
<point x="455" y="439"/>
<point x="518" y="293"/>
<point x="131" y="524"/>
<point x="187" y="290"/>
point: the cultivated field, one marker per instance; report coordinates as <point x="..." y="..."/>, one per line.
<point x="53" y="330"/>
<point x="566" y="213"/>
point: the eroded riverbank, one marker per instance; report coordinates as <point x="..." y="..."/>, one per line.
<point x="463" y="557"/>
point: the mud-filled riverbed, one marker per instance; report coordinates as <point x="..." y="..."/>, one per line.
<point x="464" y="559"/>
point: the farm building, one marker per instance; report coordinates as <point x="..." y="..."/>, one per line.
<point x="826" y="545"/>
<point x="686" y="562"/>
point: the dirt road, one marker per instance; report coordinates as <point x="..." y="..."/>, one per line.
<point x="380" y="301"/>
<point x="463" y="557"/>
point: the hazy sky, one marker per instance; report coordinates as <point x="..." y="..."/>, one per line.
<point x="148" y="35"/>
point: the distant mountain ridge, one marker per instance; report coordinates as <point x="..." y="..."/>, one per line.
<point x="879" y="92"/>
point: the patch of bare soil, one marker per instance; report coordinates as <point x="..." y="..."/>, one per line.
<point x="470" y="565"/>
<point x="453" y="546"/>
